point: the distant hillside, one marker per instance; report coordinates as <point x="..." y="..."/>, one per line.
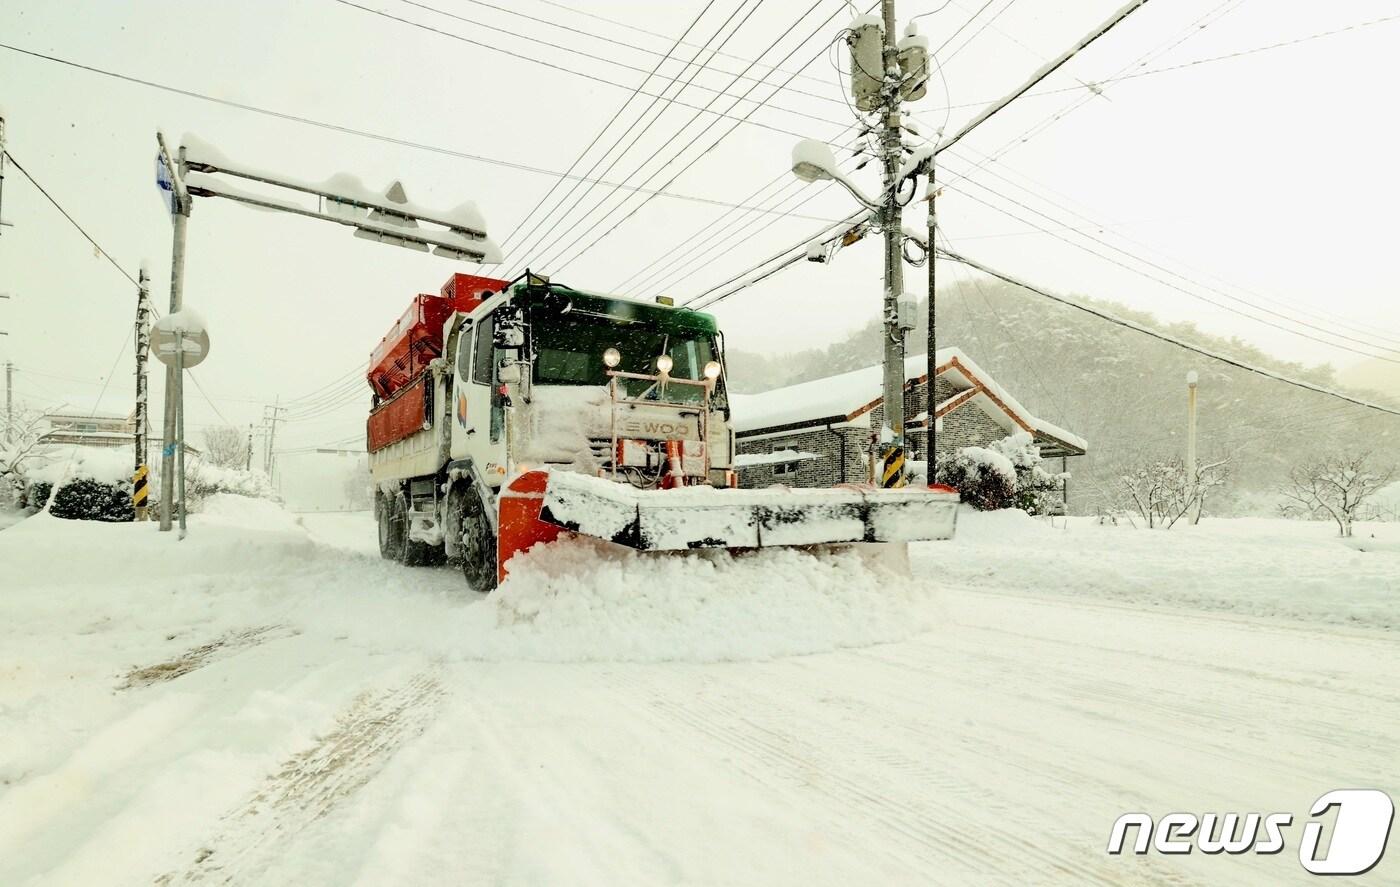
<point x="1122" y="390"/>
<point x="1380" y="376"/>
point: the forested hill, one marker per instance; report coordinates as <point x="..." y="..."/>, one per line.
<point x="1122" y="390"/>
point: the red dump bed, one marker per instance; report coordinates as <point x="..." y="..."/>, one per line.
<point x="404" y="414"/>
<point x="405" y="351"/>
<point x="396" y="366"/>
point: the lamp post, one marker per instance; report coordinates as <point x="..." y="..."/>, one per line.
<point x="1191" y="379"/>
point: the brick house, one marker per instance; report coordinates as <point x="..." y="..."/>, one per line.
<point x="820" y="433"/>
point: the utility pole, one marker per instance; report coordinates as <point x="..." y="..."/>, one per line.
<point x="140" y="489"/>
<point x="9" y="401"/>
<point x="931" y="193"/>
<point x="897" y="319"/>
<point x="2" y="175"/>
<point x="249" y="463"/>
<point x="270" y="416"/>
<point x="1191" y="379"/>
<point x="180" y="215"/>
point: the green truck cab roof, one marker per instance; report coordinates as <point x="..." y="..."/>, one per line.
<point x="617" y="308"/>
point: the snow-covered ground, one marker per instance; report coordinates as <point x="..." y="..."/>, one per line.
<point x="268" y="702"/>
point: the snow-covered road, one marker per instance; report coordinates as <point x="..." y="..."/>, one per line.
<point x="270" y="704"/>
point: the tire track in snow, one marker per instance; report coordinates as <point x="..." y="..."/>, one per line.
<point x="230" y="644"/>
<point x="1177" y="709"/>
<point x="312" y="783"/>
<point x="930" y="836"/>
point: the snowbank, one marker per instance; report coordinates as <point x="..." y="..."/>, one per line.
<point x="60" y="464"/>
<point x="580" y="600"/>
<point x="250" y="562"/>
<point x="1299" y="571"/>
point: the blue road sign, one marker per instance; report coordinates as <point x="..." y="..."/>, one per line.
<point x="165" y="182"/>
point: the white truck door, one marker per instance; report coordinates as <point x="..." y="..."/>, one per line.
<point x="478" y="429"/>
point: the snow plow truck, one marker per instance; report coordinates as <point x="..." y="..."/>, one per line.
<point x="507" y="414"/>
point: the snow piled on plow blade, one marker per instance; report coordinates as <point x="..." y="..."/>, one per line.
<point x="705" y="517"/>
<point x="580" y="600"/>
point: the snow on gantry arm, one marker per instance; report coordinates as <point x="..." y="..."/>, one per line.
<point x="347" y="199"/>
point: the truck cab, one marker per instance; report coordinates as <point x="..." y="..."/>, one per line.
<point x="534" y="375"/>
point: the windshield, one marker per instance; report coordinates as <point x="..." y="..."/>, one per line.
<point x="568" y="350"/>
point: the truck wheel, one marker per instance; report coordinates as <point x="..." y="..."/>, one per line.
<point x="478" y="544"/>
<point x="393" y="527"/>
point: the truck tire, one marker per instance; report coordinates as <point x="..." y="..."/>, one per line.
<point x="393" y="527"/>
<point x="421" y="554"/>
<point x="478" y="544"/>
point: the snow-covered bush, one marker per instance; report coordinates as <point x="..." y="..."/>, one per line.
<point x="1034" y="485"/>
<point x="86" y="499"/>
<point x="204" y="479"/>
<point x="1006" y="474"/>
<point x="1162" y="491"/>
<point x="1336" y="485"/>
<point x="984" y="479"/>
<point x="81" y="483"/>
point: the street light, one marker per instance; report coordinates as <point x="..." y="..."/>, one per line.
<point x="812" y="161"/>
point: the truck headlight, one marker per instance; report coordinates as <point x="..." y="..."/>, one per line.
<point x="612" y="357"/>
<point x="664" y="364"/>
<point x="712" y="370"/>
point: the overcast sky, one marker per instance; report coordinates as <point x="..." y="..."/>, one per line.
<point x="1267" y="180"/>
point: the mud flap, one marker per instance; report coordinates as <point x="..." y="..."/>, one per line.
<point x="705" y="517"/>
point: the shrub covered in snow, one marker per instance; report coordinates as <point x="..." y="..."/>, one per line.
<point x="986" y="480"/>
<point x="81" y="483"/>
<point x="204" y="479"/>
<point x="1006" y="474"/>
<point x="1163" y="491"/>
<point x="1034" y="485"/>
<point x="86" y="499"/>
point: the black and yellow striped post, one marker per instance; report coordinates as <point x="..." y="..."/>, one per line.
<point x="892" y="466"/>
<point x="140" y="490"/>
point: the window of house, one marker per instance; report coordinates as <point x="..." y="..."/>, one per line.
<point x="783" y="469"/>
<point x="86" y="427"/>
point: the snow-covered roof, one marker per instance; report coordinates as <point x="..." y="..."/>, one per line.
<point x="103" y="415"/>
<point x="777" y="457"/>
<point x="844" y="397"/>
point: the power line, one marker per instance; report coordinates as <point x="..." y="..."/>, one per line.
<point x="526" y="242"/>
<point x="1200" y="24"/>
<point x="717" y="243"/>
<point x="632" y="27"/>
<point x="584" y="153"/>
<point x="72" y="221"/>
<point x="358" y="133"/>
<point x="788" y="257"/>
<point x="1165" y="337"/>
<point x="607" y="229"/>
<point x="1327" y="318"/>
<point x="207" y="399"/>
<point x="533" y="60"/>
<point x="592" y="35"/>
<point x="1181" y="289"/>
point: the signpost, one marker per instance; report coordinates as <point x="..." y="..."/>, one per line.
<point x="179" y="341"/>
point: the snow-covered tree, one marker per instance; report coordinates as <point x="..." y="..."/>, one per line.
<point x="1005" y="474"/>
<point x="18" y="438"/>
<point x="226" y="446"/>
<point x="1337" y="485"/>
<point x="1034" y="485"/>
<point x="984" y="479"/>
<point x="1163" y="491"/>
